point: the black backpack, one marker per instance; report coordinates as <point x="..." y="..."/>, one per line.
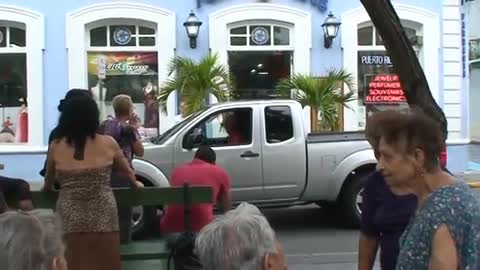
<point x="183" y="249"/>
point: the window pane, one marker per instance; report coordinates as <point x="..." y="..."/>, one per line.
<point x="278" y="124"/>
<point x="98" y="36"/>
<point x="121" y="35"/>
<point x="3" y="36"/>
<point x="13" y="96"/>
<point x="365" y="36"/>
<point x="17" y="37"/>
<point x="131" y="73"/>
<point x="239" y="30"/>
<point x="238" y="41"/>
<point x="281" y="36"/>
<point x="260" y="35"/>
<point x="378" y="85"/>
<point x="146" y="30"/>
<point x="225" y="128"/>
<point x="257" y="73"/>
<point x="147" y="41"/>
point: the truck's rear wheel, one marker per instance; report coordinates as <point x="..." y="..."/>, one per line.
<point x="351" y="198"/>
<point x="144" y="218"/>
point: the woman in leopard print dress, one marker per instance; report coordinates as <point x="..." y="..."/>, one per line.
<point x="81" y="162"/>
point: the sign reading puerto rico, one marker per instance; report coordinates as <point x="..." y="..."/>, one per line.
<point x="384" y="89"/>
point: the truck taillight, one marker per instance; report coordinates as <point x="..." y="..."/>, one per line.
<point x="443" y="157"/>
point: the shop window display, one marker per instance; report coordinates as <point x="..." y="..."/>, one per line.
<point x="131" y="73"/>
<point x="379" y="87"/>
<point x="13" y="85"/>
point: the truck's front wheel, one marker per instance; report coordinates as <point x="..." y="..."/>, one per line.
<point x="351" y="198"/>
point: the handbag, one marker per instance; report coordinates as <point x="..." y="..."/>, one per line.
<point x="183" y="249"/>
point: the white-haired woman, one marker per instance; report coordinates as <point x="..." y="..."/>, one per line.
<point x="242" y="239"/>
<point x="31" y="241"/>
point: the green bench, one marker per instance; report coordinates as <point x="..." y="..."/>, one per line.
<point x="156" y="251"/>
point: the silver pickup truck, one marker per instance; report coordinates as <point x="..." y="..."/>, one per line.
<point x="271" y="159"/>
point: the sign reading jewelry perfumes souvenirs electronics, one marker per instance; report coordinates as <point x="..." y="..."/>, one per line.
<point x="384" y="89"/>
<point x="320" y="4"/>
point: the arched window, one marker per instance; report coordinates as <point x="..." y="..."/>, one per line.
<point x="123" y="59"/>
<point x="21" y="96"/>
<point x="260" y="53"/>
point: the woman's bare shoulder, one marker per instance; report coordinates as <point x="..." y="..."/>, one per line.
<point x="106" y="141"/>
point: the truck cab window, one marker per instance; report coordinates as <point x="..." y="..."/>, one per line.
<point x="278" y="124"/>
<point x="224" y="128"/>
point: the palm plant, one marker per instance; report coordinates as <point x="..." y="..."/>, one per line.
<point x="324" y="95"/>
<point x="195" y="82"/>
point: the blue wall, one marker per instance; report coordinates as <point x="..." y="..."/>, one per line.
<point x="55" y="55"/>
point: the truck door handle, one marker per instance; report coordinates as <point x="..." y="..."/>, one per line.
<point x="249" y="154"/>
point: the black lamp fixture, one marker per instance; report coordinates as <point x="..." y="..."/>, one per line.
<point x="192" y="25"/>
<point x="330" y="29"/>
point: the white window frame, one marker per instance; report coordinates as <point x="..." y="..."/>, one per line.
<point x="34" y="23"/>
<point x="114" y="22"/>
<point x="430" y="25"/>
<point x="129" y="13"/>
<point x="249" y="47"/>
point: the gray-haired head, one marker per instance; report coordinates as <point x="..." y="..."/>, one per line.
<point x="29" y="241"/>
<point x="238" y="240"/>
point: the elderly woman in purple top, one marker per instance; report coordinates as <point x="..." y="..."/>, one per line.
<point x="123" y="128"/>
<point x="384" y="218"/>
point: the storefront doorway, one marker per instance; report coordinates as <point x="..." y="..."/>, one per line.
<point x="256" y="73"/>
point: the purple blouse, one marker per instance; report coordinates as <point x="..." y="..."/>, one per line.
<point x="123" y="133"/>
<point x="385" y="216"/>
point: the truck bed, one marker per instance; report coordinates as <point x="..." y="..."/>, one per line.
<point x="336" y="137"/>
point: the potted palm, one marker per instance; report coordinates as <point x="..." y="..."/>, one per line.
<point x="324" y="96"/>
<point x="195" y="81"/>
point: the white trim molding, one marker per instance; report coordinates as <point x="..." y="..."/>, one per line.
<point x="77" y="22"/>
<point x="35" y="44"/>
<point x="430" y="23"/>
<point x="452" y="68"/>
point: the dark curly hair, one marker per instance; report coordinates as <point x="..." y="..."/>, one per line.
<point x="78" y="121"/>
<point x="75" y="92"/>
<point x="407" y="131"/>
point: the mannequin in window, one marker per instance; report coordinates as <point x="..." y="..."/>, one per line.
<point x="100" y="99"/>
<point x="22" y="126"/>
<point x="151" y="108"/>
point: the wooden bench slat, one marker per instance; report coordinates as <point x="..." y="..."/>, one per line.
<point x="149" y="196"/>
<point x="145" y="250"/>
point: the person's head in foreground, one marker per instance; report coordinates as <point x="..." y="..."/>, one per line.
<point x="31" y="241"/>
<point x="206" y="153"/>
<point x="407" y="146"/>
<point x="242" y="239"/>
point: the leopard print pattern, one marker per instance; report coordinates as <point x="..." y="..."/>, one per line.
<point x="86" y="202"/>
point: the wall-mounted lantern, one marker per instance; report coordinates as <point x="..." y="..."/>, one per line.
<point x="330" y="29"/>
<point x="192" y="25"/>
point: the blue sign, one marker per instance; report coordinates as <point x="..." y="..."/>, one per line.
<point x="322" y="5"/>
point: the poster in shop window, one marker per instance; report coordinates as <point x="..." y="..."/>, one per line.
<point x="379" y="87"/>
<point x="131" y="73"/>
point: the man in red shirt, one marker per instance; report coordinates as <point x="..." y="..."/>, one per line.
<point x="201" y="171"/>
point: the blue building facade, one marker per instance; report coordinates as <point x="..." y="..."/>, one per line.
<point x="108" y="47"/>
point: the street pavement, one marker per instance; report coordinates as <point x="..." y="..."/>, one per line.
<point x="314" y="238"/>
